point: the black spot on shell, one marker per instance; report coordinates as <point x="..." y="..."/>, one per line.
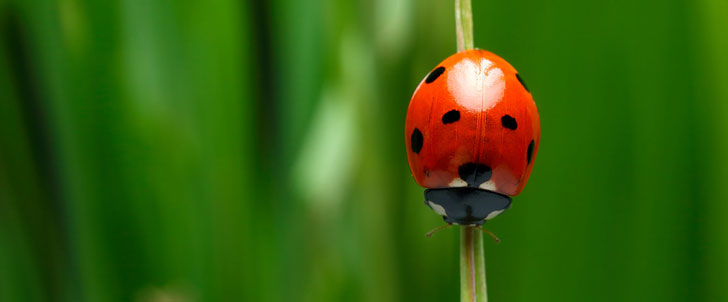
<point x="522" y="82"/>
<point x="416" y="141"/>
<point x="434" y="74"/>
<point x="509" y="122"/>
<point x="451" y="117"/>
<point x="529" y="153"/>
<point x="475" y="174"/>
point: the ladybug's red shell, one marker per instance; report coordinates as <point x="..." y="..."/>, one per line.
<point x="472" y="123"/>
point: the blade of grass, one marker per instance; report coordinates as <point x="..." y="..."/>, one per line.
<point x="472" y="266"/>
<point x="464" y="24"/>
<point x="472" y="255"/>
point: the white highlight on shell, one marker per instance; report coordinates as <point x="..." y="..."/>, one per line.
<point x="493" y="214"/>
<point x="458" y="182"/>
<point x="488" y="185"/>
<point x="437" y="208"/>
<point x="476" y="86"/>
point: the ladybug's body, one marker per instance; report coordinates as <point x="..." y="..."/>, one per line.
<point x="472" y="134"/>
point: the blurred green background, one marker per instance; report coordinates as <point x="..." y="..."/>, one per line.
<point x="161" y="151"/>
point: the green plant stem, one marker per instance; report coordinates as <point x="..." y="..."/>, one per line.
<point x="464" y="24"/>
<point x="472" y="266"/>
<point x="472" y="256"/>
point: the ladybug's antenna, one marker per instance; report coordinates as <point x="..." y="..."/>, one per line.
<point x="480" y="228"/>
<point x="437" y="229"/>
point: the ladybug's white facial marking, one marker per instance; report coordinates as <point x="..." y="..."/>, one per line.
<point x="437" y="208"/>
<point x="488" y="185"/>
<point x="457" y="182"/>
<point x="477" y="86"/>
<point x="493" y="214"/>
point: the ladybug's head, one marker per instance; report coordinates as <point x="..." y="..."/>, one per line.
<point x="466" y="206"/>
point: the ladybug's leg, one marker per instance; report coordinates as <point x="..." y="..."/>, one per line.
<point x="489" y="233"/>
<point x="435" y="230"/>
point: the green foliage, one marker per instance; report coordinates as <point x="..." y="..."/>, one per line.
<point x="157" y="150"/>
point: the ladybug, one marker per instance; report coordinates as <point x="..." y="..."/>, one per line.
<point x="472" y="134"/>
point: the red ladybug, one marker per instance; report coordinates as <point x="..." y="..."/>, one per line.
<point x="472" y="135"/>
